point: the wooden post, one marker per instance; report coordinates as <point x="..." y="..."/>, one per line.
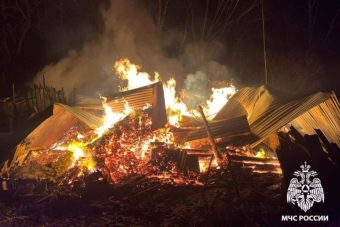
<point x="50" y="99"/>
<point x="54" y="95"/>
<point x="63" y="95"/>
<point x="74" y="96"/>
<point x="207" y="176"/>
<point x="31" y="98"/>
<point x="13" y="99"/>
<point x="41" y="97"/>
<point x="36" y="98"/>
<point x="210" y="136"/>
<point x="27" y="101"/>
<point x="44" y="92"/>
<point x="60" y="97"/>
<point x="332" y="148"/>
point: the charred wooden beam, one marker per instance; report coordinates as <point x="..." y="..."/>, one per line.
<point x="296" y="135"/>
<point x="332" y="148"/>
<point x="235" y="130"/>
<point x="165" y="159"/>
<point x="210" y="136"/>
<point x="253" y="159"/>
<point x="290" y="156"/>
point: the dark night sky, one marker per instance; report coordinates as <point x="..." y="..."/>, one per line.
<point x="298" y="43"/>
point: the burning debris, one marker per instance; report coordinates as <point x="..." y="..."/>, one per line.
<point x="147" y="136"/>
<point x="131" y="132"/>
<point x="141" y="126"/>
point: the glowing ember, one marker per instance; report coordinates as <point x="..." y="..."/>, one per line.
<point x="124" y="144"/>
<point x="79" y="146"/>
<point x="79" y="151"/>
<point x="126" y="150"/>
<point x="261" y="154"/>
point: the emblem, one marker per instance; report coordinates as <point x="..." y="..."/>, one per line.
<point x="305" y="188"/>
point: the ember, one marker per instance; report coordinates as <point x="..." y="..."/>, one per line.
<point x="168" y="113"/>
<point x="148" y="137"/>
<point x="123" y="144"/>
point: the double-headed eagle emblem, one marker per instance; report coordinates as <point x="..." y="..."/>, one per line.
<point x="305" y="191"/>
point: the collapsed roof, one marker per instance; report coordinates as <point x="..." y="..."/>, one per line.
<point x="252" y="113"/>
<point x="267" y="111"/>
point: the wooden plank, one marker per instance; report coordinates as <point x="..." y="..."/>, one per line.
<point x="220" y="129"/>
<point x="332" y="148"/>
<point x="44" y="92"/>
<point x="210" y="136"/>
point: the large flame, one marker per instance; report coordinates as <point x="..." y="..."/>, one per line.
<point x="218" y="99"/>
<point x="127" y="149"/>
<point x="81" y="156"/>
<point x="176" y="109"/>
<point x="111" y="118"/>
<point x="130" y="73"/>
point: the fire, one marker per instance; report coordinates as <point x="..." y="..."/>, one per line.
<point x="80" y="156"/>
<point x="130" y="72"/>
<point x="261" y="153"/>
<point x="79" y="148"/>
<point x="204" y="164"/>
<point x="123" y="144"/>
<point x="111" y="118"/>
<point x="218" y="99"/>
<point x="176" y="109"/>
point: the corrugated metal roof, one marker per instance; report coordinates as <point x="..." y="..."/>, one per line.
<point x="267" y="112"/>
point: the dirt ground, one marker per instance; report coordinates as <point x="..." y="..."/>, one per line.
<point x="251" y="200"/>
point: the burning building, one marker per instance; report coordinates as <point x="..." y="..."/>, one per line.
<point x="121" y="134"/>
<point x="147" y="130"/>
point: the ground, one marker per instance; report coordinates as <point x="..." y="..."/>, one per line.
<point x="241" y="200"/>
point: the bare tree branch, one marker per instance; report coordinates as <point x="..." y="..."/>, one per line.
<point x="331" y="26"/>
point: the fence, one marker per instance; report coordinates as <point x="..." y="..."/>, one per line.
<point x="33" y="99"/>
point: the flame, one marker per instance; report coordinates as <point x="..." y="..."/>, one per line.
<point x="176" y="109"/>
<point x="218" y="99"/>
<point x="127" y="149"/>
<point x="79" y="151"/>
<point x="111" y="118"/>
<point x="80" y="155"/>
<point x="203" y="164"/>
<point x="77" y="148"/>
<point x="130" y="73"/>
<point x="261" y="153"/>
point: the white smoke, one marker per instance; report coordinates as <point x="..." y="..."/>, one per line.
<point x="130" y="32"/>
<point x="197" y="88"/>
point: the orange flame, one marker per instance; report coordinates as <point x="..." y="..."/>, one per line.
<point x="176" y="109"/>
<point x="122" y="152"/>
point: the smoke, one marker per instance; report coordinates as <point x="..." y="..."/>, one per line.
<point x="130" y="32"/>
<point x="196" y="89"/>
